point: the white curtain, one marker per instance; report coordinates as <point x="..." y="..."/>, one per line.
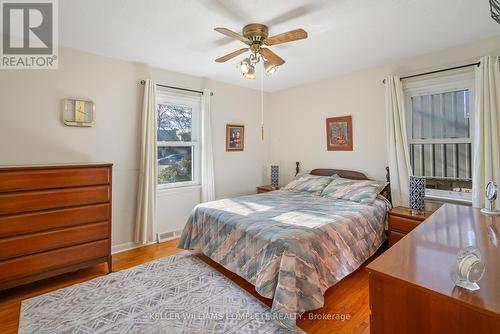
<point x="146" y="197"/>
<point x="207" y="167"/>
<point x="486" y="129"/>
<point x="397" y="141"/>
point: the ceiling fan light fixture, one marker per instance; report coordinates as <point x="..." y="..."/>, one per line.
<point x="256" y="37"/>
<point x="269" y="68"/>
<point x="245" y="65"/>
<point x="250" y="74"/>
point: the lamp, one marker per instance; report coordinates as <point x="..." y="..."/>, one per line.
<point x="269" y="67"/>
<point x="274" y="176"/>
<point x="245" y="65"/>
<point x="495" y="10"/>
<point x="417" y="194"/>
<point x="250" y="74"/>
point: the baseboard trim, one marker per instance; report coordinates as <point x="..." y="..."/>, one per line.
<point x="132" y="245"/>
<point x="128" y="246"/>
<point x="167" y="236"/>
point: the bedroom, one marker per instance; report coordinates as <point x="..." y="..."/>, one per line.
<point x="129" y="123"/>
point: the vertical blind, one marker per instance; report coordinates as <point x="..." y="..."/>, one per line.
<point x="440" y="143"/>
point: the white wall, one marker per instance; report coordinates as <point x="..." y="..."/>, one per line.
<point x="297" y="115"/>
<point x="31" y="131"/>
<point x="237" y="172"/>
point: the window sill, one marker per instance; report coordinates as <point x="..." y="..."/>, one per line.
<point x="177" y="190"/>
<point x="445" y="199"/>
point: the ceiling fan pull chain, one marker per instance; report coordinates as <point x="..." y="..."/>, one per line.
<point x="262" y="103"/>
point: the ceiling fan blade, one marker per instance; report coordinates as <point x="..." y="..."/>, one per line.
<point x="272" y="57"/>
<point x="290" y="36"/>
<point x="233" y="34"/>
<point x="292" y="14"/>
<point x="231" y="55"/>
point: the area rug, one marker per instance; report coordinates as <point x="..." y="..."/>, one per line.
<point x="175" y="294"/>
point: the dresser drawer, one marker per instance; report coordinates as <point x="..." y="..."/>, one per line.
<point x="50" y="199"/>
<point x="45" y="220"/>
<point x="402" y="224"/>
<point x="395" y="237"/>
<point x="41" y="262"/>
<point x="44" y="241"/>
<point x="20" y="180"/>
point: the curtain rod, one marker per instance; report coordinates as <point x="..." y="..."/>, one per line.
<point x="178" y="88"/>
<point x="438" y="71"/>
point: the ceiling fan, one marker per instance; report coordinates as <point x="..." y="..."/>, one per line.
<point x="256" y="36"/>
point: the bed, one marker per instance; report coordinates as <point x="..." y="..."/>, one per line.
<point x="291" y="246"/>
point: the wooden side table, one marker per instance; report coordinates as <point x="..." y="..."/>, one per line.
<point x="265" y="189"/>
<point x="402" y="221"/>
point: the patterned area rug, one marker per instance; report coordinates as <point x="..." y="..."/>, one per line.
<point x="175" y="294"/>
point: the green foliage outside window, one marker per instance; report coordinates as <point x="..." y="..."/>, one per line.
<point x="179" y="171"/>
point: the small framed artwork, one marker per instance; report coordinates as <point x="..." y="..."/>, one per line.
<point x="235" y="137"/>
<point x="339" y="133"/>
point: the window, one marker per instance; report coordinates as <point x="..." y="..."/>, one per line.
<point x="178" y="138"/>
<point x="439" y="127"/>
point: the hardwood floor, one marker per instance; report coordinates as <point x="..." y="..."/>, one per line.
<point x="349" y="298"/>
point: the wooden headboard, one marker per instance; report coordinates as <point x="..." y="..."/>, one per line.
<point x="346" y="174"/>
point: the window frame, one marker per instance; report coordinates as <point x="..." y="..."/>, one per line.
<point x="463" y="80"/>
<point x="167" y="96"/>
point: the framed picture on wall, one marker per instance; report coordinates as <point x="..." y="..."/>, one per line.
<point x="235" y="137"/>
<point x="339" y="133"/>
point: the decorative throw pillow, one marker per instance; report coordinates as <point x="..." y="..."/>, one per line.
<point x="362" y="191"/>
<point x="309" y="183"/>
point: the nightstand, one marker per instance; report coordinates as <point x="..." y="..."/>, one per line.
<point x="265" y="189"/>
<point x="402" y="221"/>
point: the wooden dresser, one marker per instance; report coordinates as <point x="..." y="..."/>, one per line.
<point x="411" y="290"/>
<point x="53" y="219"/>
<point x="402" y="221"/>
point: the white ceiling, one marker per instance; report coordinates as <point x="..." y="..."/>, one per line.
<point x="344" y="35"/>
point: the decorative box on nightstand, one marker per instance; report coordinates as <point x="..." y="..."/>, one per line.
<point x="402" y="221"/>
<point x="265" y="189"/>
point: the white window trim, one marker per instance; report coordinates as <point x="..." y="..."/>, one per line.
<point x="194" y="101"/>
<point x="438" y="85"/>
<point x="168" y="191"/>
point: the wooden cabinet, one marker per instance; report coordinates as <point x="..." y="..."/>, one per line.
<point x="265" y="189"/>
<point x="402" y="221"/>
<point x="410" y="286"/>
<point x="53" y="219"/>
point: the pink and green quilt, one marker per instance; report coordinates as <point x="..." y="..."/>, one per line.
<point x="292" y="246"/>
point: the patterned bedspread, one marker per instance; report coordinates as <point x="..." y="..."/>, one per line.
<point x="292" y="246"/>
